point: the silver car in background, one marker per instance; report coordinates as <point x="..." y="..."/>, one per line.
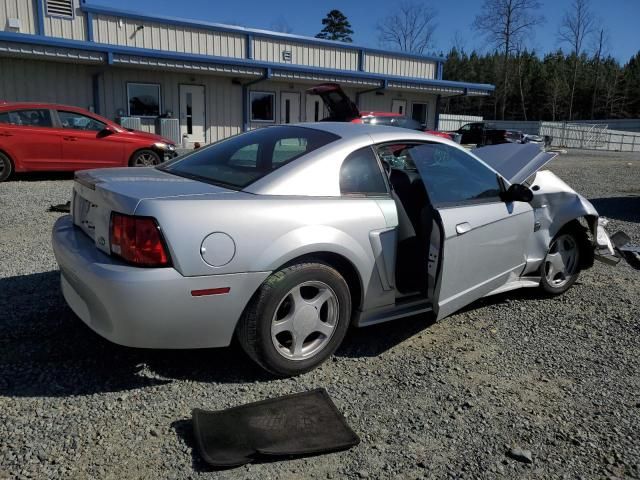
<point x="287" y="235"/>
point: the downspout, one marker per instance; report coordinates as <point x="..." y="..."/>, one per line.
<point x="40" y="17"/>
<point x="384" y="86"/>
<point x="245" y="97"/>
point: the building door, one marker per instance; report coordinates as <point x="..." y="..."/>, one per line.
<point x="289" y="107"/>
<point x="316" y="110"/>
<point x="419" y="112"/>
<point x="192" y="113"/>
<point x="399" y="106"/>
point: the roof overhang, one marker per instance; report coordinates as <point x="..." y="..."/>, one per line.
<point x="44" y="47"/>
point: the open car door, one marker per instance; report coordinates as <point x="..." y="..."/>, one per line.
<point x="341" y="108"/>
<point x="483" y="239"/>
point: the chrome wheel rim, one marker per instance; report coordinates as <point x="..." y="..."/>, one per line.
<point x="305" y="320"/>
<point x="562" y="261"/>
<point x="145" y="160"/>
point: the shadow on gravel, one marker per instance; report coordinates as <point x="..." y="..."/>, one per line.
<point x="41" y="176"/>
<point x="626" y="209"/>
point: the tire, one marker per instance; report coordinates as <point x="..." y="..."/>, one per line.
<point x="561" y="266"/>
<point x="145" y="158"/>
<point x="6" y="167"/>
<point x="284" y="331"/>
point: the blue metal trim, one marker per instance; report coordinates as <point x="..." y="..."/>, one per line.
<point x="361" y="54"/>
<point x="90" y="26"/>
<point x="110" y="50"/>
<point x="249" y="46"/>
<point x="40" y="17"/>
<point x="242" y="30"/>
<point x="109" y="58"/>
<point x="440" y="70"/>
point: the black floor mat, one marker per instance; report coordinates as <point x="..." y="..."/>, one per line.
<point x="300" y="424"/>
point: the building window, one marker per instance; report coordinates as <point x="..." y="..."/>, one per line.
<point x="60" y="8"/>
<point x="419" y="112"/>
<point x="143" y="99"/>
<point x="262" y="106"/>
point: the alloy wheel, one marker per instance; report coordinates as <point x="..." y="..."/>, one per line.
<point x="561" y="263"/>
<point x="305" y="320"/>
<point x="145" y="159"/>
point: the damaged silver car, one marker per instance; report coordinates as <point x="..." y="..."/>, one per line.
<point x="285" y="236"/>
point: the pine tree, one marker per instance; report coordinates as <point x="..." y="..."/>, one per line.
<point x="336" y="27"/>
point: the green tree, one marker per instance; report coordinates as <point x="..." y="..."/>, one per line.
<point x="336" y="27"/>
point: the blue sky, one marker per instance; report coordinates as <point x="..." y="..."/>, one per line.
<point x="620" y="17"/>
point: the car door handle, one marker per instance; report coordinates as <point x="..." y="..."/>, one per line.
<point x="5" y="134"/>
<point x="70" y="139"/>
<point x="463" y="228"/>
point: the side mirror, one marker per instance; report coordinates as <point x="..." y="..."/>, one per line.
<point x="106" y="131"/>
<point x="517" y="193"/>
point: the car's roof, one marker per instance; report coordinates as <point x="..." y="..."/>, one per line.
<point x="17" y="105"/>
<point x="354" y="131"/>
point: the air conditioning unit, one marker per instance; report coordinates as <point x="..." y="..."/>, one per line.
<point x="169" y="128"/>
<point x="134" y="123"/>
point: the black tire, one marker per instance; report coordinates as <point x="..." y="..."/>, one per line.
<point x="255" y="327"/>
<point x="145" y="158"/>
<point x="6" y="167"/>
<point x="559" y="282"/>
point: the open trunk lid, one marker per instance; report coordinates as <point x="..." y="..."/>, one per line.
<point x="341" y="108"/>
<point x="515" y="162"/>
<point x="98" y="193"/>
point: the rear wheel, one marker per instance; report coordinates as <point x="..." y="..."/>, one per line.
<point x="144" y="158"/>
<point x="6" y="168"/>
<point x="561" y="265"/>
<point x="297" y="319"/>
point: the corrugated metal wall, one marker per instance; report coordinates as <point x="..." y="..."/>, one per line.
<point x="156" y="36"/>
<point x="24" y="10"/>
<point x="270" y="50"/>
<point x="223" y="99"/>
<point x="404" y="67"/>
<point x="40" y="81"/>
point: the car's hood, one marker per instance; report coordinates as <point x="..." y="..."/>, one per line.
<point x="148" y="136"/>
<point x="340" y="107"/>
<point x="515" y="162"/>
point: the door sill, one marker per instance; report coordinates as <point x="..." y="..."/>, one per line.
<point x="405" y="307"/>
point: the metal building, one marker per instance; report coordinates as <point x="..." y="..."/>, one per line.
<point x="217" y="80"/>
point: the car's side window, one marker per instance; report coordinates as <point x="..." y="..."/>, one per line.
<point x="246" y="156"/>
<point x="4" y="117"/>
<point x="453" y="177"/>
<point x="29" y="118"/>
<point x="361" y="174"/>
<point x="288" y="148"/>
<point x="77" y="121"/>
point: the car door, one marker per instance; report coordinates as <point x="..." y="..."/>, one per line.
<point x="28" y="136"/>
<point x="85" y="144"/>
<point x="484" y="238"/>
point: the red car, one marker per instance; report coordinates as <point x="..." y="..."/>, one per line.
<point x="48" y="137"/>
<point x="342" y="109"/>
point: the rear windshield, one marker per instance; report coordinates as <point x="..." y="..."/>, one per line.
<point x="241" y="160"/>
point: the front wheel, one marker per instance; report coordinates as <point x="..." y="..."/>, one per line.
<point x="5" y="167"/>
<point x="561" y="265"/>
<point x="144" y="158"/>
<point x="297" y="318"/>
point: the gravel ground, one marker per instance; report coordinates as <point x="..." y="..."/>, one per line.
<point x="555" y="377"/>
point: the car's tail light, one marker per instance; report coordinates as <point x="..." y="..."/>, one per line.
<point x="138" y="240"/>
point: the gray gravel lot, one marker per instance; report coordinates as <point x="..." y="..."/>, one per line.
<point x="557" y="377"/>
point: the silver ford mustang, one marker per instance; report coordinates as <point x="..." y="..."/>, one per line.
<point x="286" y="235"/>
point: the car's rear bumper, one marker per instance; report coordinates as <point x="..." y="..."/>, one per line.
<point x="147" y="307"/>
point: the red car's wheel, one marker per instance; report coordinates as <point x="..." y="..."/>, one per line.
<point x="145" y="158"/>
<point x="6" y="167"/>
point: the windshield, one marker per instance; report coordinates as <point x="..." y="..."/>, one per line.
<point x="241" y="160"/>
